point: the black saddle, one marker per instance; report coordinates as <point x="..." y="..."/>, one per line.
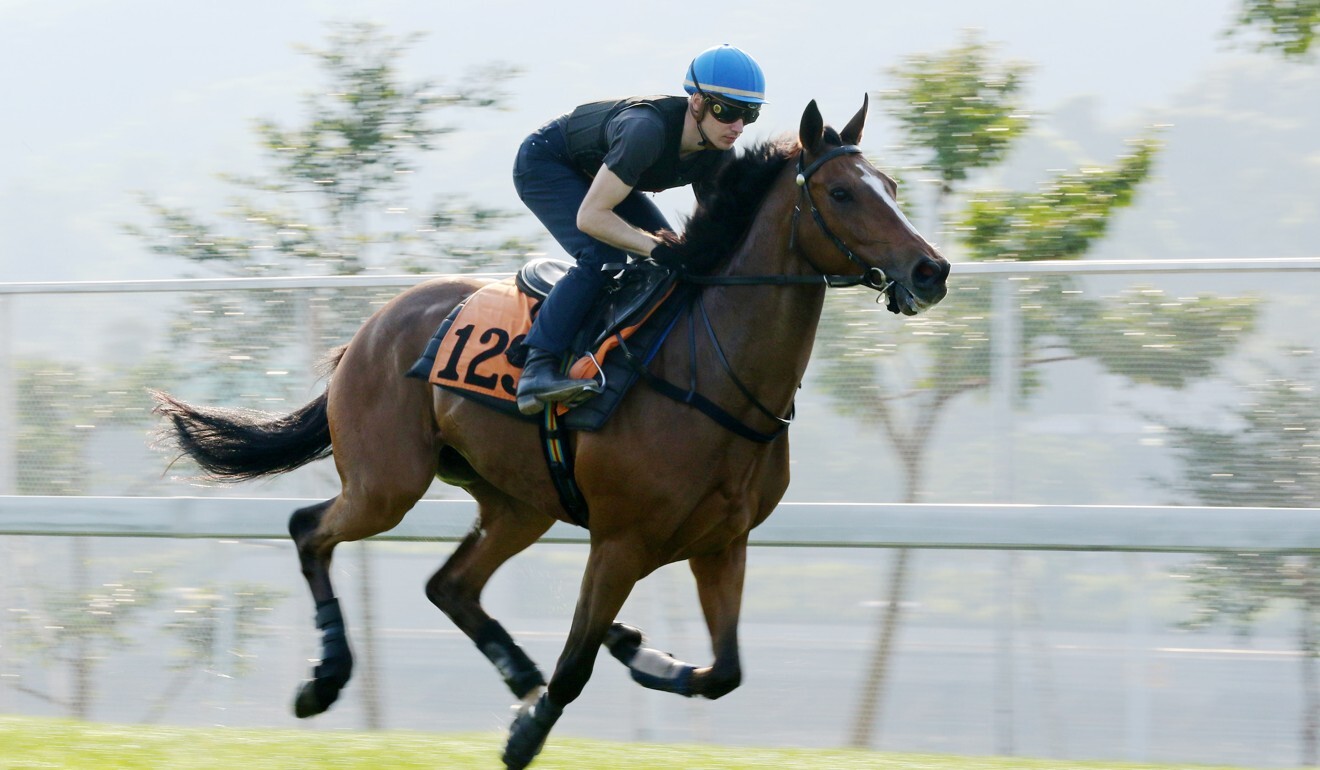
<point x="631" y="292"/>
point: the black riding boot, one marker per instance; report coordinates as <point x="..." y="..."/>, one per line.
<point x="543" y="383"/>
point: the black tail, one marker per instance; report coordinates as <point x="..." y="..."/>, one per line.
<point x="241" y="445"/>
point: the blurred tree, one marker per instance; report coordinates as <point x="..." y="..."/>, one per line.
<point x="60" y="408"/>
<point x="1287" y="26"/>
<point x="959" y="107"/>
<point x="1268" y="455"/>
<point x="334" y="201"/>
<point x="1062" y="220"/>
<point x="215" y="626"/>
<point x="78" y="627"/>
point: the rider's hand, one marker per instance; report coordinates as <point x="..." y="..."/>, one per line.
<point x="666" y="256"/>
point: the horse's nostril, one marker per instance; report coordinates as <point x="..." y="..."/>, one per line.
<point x="928" y="273"/>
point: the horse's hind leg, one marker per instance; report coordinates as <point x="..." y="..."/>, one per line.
<point x="316" y="530"/>
<point x="503" y="529"/>
<point x="719" y="586"/>
<point x="385" y="465"/>
<point x="336" y="666"/>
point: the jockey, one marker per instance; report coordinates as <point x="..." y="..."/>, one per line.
<point x="584" y="176"/>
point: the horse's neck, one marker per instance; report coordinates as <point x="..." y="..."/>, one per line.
<point x="767" y="331"/>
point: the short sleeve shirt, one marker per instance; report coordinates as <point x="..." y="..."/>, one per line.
<point x="637" y="141"/>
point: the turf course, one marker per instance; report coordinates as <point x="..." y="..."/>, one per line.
<point x="47" y="743"/>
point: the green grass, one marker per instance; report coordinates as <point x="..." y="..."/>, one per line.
<point x="47" y="743"/>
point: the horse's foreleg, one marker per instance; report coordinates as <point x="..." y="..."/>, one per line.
<point x="719" y="585"/>
<point x="336" y="666"/>
<point x="612" y="571"/>
<point x="720" y="589"/>
<point x="501" y="533"/>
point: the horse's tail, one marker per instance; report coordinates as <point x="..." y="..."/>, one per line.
<point x="241" y="444"/>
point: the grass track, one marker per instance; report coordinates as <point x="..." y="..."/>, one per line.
<point x="28" y="744"/>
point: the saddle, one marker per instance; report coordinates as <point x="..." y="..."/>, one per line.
<point x="478" y="351"/>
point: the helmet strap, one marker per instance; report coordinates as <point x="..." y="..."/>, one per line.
<point x="700" y="115"/>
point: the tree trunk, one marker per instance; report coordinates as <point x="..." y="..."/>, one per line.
<point x="371" y="704"/>
<point x="869" y="708"/>
<point x="80" y="662"/>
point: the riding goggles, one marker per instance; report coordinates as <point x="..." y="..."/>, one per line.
<point x="730" y="112"/>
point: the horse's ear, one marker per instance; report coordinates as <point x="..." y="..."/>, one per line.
<point x="813" y="128"/>
<point x="852" y="133"/>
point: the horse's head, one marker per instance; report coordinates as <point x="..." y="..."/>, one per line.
<point x="858" y="226"/>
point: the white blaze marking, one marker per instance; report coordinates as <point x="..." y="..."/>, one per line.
<point x="873" y="180"/>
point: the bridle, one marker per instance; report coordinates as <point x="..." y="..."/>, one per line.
<point x="871" y="277"/>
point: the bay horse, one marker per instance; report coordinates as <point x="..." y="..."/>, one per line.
<point x="663" y="481"/>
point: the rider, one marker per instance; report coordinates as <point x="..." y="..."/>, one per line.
<point x="584" y="174"/>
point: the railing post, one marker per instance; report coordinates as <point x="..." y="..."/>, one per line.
<point x="8" y="409"/>
<point x="1005" y="382"/>
<point x="1005" y="378"/>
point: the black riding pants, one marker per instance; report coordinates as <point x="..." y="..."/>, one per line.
<point x="553" y="188"/>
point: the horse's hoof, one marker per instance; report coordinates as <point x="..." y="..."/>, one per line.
<point x="310" y="701"/>
<point x="528" y="732"/>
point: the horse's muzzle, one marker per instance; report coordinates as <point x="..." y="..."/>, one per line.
<point x="925" y="287"/>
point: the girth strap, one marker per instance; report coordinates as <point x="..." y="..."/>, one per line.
<point x="559" y="459"/>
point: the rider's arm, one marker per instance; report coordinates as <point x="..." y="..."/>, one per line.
<point x="596" y="215"/>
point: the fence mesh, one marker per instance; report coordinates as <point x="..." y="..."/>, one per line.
<point x="1114" y="389"/>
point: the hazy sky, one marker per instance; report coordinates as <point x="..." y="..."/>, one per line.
<point x="107" y="97"/>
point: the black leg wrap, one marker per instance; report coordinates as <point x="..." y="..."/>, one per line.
<point x="335" y="668"/>
<point x="528" y="732"/>
<point x="623" y="642"/>
<point x="519" y="672"/>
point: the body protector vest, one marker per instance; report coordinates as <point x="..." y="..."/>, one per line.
<point x="586" y="132"/>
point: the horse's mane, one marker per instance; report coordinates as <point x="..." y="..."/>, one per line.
<point x="726" y="209"/>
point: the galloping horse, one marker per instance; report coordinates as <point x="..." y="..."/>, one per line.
<point x="662" y="480"/>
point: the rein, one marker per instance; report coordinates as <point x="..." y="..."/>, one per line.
<point x="871" y="277"/>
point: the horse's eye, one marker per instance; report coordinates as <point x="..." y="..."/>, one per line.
<point x="841" y="195"/>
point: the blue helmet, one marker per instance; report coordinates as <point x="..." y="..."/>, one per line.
<point x="728" y="72"/>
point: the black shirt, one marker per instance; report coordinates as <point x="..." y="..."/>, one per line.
<point x="638" y="139"/>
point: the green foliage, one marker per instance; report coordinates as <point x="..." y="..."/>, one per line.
<point x="960" y="108"/>
<point x="1236" y="589"/>
<point x="963" y="109"/>
<point x="63" y="620"/>
<point x="215" y="625"/>
<point x="1287" y="26"/>
<point x="334" y="201"/>
<point x="60" y="406"/>
<point x="1060" y="221"/>
<point x="1269" y="455"/>
<point x="1149" y="337"/>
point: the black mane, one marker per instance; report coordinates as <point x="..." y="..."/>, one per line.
<point x="725" y="211"/>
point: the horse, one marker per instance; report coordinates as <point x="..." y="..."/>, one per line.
<point x="663" y="481"/>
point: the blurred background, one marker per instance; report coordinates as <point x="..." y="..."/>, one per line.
<point x="205" y="199"/>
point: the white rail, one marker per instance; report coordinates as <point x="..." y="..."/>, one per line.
<point x="850" y="525"/>
<point x="1088" y="267"/>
